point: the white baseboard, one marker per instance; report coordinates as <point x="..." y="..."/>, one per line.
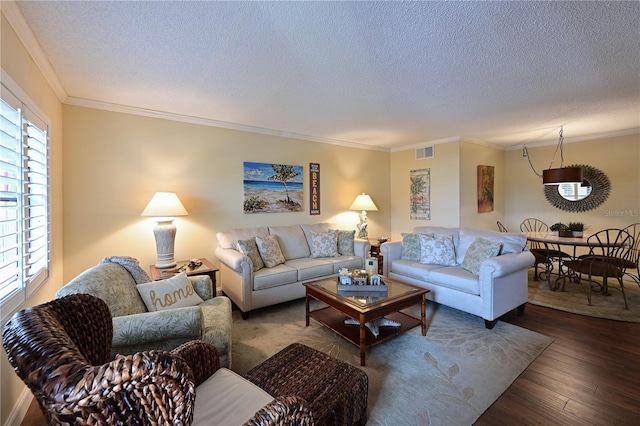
<point x="20" y="409"/>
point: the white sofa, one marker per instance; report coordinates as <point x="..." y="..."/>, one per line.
<point x="250" y="289"/>
<point x="500" y="286"/>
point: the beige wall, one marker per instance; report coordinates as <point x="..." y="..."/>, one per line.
<point x="17" y="63"/>
<point x="115" y="162"/>
<point x="445" y="188"/>
<point x="617" y="157"/>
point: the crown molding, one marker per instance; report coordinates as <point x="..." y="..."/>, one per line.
<point x="87" y="103"/>
<point x="597" y="136"/>
<point x="14" y="16"/>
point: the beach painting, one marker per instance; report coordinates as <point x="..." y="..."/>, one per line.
<point x="272" y="188"/>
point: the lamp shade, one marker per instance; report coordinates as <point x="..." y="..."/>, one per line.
<point x="562" y="175"/>
<point x="363" y="202"/>
<point x="164" y="204"/>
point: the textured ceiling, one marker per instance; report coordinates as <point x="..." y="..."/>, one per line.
<point x="382" y="74"/>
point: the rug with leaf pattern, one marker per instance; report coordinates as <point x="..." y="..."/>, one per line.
<point x="449" y="377"/>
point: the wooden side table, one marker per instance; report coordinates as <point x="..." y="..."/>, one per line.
<point x="375" y="252"/>
<point x="206" y="268"/>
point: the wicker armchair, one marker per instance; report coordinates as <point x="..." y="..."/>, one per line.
<point x="61" y="350"/>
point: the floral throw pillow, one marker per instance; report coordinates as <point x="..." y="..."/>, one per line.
<point x="437" y="250"/>
<point x="324" y="244"/>
<point x="270" y="251"/>
<point x="345" y="243"/>
<point x="250" y="249"/>
<point x="174" y="292"/>
<point x="479" y="251"/>
<point x="411" y="247"/>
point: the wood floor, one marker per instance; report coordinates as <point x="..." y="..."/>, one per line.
<point x="589" y="375"/>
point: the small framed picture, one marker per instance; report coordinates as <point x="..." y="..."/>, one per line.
<point x="345" y="280"/>
<point x="375" y="280"/>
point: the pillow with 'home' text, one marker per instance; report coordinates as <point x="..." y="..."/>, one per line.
<point x="174" y="292"/>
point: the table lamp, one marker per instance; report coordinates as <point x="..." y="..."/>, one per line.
<point x="165" y="206"/>
<point x="363" y="202"/>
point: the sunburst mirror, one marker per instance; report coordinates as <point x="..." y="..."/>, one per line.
<point x="593" y="191"/>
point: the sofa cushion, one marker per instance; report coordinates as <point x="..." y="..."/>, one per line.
<point x="229" y="239"/>
<point x="316" y="227"/>
<point x="438" y="250"/>
<point x="274" y="277"/>
<point x="479" y="251"/>
<point x="174" y="292"/>
<point x="413" y="269"/>
<point x="345" y="243"/>
<point x="292" y="240"/>
<point x="511" y="242"/>
<point x="270" y="252"/>
<point x="324" y="244"/>
<point x="457" y="278"/>
<point x="250" y="249"/>
<point x="411" y="246"/>
<point x="309" y="268"/>
<point x="349" y="262"/>
<point x="226" y="398"/>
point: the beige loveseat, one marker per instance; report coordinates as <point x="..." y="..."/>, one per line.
<point x="487" y="286"/>
<point x="251" y="287"/>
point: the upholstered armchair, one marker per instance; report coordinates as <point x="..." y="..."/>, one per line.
<point x="61" y="350"/>
<point x="136" y="329"/>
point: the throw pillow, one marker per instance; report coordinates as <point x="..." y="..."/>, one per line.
<point x="270" y="251"/>
<point x="324" y="244"/>
<point x="345" y="243"/>
<point x="411" y="247"/>
<point x="174" y="292"/>
<point x="250" y="249"/>
<point x="479" y="251"/>
<point x="437" y="250"/>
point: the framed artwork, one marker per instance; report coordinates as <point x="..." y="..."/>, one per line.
<point x="272" y="188"/>
<point x="485" y="188"/>
<point x="420" y="194"/>
<point x="314" y="195"/>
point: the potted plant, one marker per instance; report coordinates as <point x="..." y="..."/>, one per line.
<point x="577" y="229"/>
<point x="558" y="228"/>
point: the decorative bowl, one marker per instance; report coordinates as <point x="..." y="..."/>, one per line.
<point x="382" y="239"/>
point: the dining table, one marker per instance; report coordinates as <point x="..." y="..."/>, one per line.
<point x="554" y="241"/>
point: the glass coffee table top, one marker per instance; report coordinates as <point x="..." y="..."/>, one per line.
<point x="364" y="298"/>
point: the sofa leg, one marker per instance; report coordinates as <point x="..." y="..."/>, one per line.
<point x="521" y="309"/>
<point x="490" y="324"/>
<point x="244" y="315"/>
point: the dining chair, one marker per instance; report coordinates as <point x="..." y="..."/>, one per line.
<point x="633" y="254"/>
<point x="545" y="253"/>
<point x="607" y="258"/>
<point x="501" y="227"/>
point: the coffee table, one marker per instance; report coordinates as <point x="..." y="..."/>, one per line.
<point x="365" y="307"/>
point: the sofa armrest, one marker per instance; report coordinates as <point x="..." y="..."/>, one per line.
<point x="201" y="356"/>
<point x="286" y="410"/>
<point x="391" y="250"/>
<point x="233" y="259"/>
<point x="361" y="248"/>
<point x="505" y="264"/>
<point x="157" y="326"/>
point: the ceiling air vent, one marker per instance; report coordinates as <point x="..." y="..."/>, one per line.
<point x="426" y="152"/>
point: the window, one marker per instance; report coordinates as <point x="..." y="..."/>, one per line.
<point x="24" y="202"/>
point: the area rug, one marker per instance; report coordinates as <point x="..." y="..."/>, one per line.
<point x="574" y="299"/>
<point x="449" y="377"/>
